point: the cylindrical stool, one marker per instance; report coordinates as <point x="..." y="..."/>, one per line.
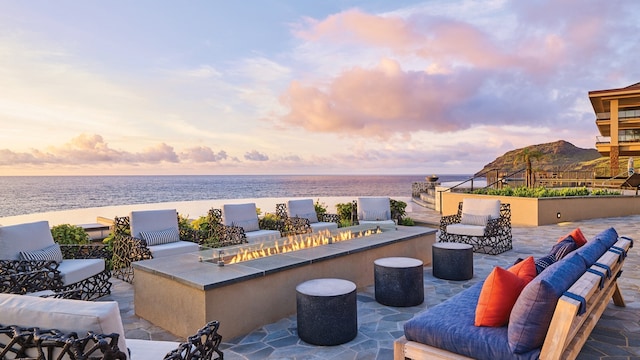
<point x="327" y="311"/>
<point x="399" y="281"/>
<point x="452" y="261"/>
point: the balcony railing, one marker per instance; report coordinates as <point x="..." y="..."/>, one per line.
<point x="622" y="114"/>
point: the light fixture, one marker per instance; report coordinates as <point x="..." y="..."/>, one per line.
<point x="558" y="215"/>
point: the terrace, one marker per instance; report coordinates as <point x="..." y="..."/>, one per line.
<point x="616" y="334"/>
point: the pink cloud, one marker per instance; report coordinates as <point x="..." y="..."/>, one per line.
<point x="203" y="154"/>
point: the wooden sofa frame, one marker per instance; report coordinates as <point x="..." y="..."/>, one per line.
<point x="569" y="328"/>
<point x="497" y="235"/>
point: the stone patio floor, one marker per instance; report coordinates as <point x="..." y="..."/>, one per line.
<point x="616" y="336"/>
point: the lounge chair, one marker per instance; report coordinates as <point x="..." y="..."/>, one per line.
<point x="483" y="223"/>
<point x="305" y="209"/>
<point x="145" y="235"/>
<point x="372" y="210"/>
<point x="46" y="328"/>
<point x="32" y="263"/>
<point x="245" y="216"/>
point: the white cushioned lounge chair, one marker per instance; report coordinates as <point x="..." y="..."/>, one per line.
<point x="483" y="223"/>
<point x="153" y="234"/>
<point x="304" y="208"/>
<point x="25" y="320"/>
<point x="246" y="217"/>
<point x="374" y="210"/>
<point x="32" y="263"/>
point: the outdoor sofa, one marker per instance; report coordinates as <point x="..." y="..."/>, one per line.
<point x="551" y="318"/>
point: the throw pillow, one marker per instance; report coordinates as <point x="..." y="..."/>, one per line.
<point x="375" y="215"/>
<point x="525" y="269"/>
<point x="564" y="247"/>
<point x="160" y="237"/>
<point x="497" y="297"/>
<point x="470" y="219"/>
<point x="533" y="310"/>
<point x="544" y="262"/>
<point x="50" y="253"/>
<point x="248" y="225"/>
<point x="577" y="236"/>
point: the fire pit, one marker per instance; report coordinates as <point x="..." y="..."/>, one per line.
<point x="178" y="293"/>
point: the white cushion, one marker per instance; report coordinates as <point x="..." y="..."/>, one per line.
<point x="24" y="237"/>
<point x="152" y="220"/>
<point x="323" y="225"/>
<point x="481" y="207"/>
<point x="373" y="205"/>
<point x="470" y="219"/>
<point x="66" y="315"/>
<point x="51" y="252"/>
<point x="248" y="225"/>
<point x="74" y="270"/>
<point x="262" y="235"/>
<point x="376" y="215"/>
<point x="161" y="236"/>
<point x="383" y="223"/>
<point x="302" y="208"/>
<point x="238" y="212"/>
<point x="173" y="248"/>
<point x="150" y="350"/>
<point x="468" y="230"/>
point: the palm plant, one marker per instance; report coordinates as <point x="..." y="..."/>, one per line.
<point x="526" y="155"/>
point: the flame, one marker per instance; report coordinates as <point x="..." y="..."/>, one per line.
<point x="299" y="242"/>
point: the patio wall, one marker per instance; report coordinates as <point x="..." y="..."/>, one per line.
<point x="544" y="211"/>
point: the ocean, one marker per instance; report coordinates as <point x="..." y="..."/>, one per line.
<point x="20" y="195"/>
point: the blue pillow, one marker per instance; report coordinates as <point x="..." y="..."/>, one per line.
<point x="532" y="313"/>
<point x="592" y="250"/>
<point x="563" y="248"/>
<point x="544" y="262"/>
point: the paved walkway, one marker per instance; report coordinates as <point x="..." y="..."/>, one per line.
<point x="616" y="336"/>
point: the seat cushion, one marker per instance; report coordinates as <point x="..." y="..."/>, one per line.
<point x="302" y="208"/>
<point x="322" y="226"/>
<point x="593" y="249"/>
<point x="24" y="237"/>
<point x="238" y="213"/>
<point x="150" y="350"/>
<point x="66" y="315"/>
<point x="74" y="270"/>
<point x="173" y="248"/>
<point x="475" y="206"/>
<point x="463" y="229"/>
<point x="152" y="220"/>
<point x="262" y="235"/>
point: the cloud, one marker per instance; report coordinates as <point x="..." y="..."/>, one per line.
<point x="203" y="154"/>
<point x="254" y="155"/>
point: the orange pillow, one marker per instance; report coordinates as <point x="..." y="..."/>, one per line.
<point x="525" y="269"/>
<point x="577" y="236"/>
<point x="497" y="297"/>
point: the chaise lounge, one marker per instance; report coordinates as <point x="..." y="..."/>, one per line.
<point x="32" y="263"/>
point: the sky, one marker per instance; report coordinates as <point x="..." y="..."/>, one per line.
<point x="156" y="87"/>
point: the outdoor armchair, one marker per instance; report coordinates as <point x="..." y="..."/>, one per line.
<point x="245" y="216"/>
<point x="483" y="223"/>
<point x="148" y="234"/>
<point x="32" y="263"/>
<point x="373" y="210"/>
<point x="293" y="213"/>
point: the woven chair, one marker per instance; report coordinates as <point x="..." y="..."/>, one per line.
<point x="32" y="263"/>
<point x="145" y="235"/>
<point x="483" y="223"/>
<point x="371" y="210"/>
<point x="43" y="329"/>
<point x="299" y="217"/>
<point x="239" y="223"/>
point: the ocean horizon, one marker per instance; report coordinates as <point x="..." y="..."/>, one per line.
<point x="82" y="198"/>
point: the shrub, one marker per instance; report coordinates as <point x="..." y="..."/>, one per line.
<point x="268" y="222"/>
<point x="69" y="234"/>
<point x="408" y="222"/>
<point x="321" y="208"/>
<point x="541" y="192"/>
<point x="398" y="209"/>
<point x="344" y="212"/>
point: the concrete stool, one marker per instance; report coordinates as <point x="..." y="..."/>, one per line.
<point x="327" y="311"/>
<point x="452" y="261"/>
<point x="399" y="281"/>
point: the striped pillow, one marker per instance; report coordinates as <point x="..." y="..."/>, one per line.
<point x="160" y="237"/>
<point x="52" y="253"/>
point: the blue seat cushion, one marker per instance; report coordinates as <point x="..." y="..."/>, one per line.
<point x="449" y="326"/>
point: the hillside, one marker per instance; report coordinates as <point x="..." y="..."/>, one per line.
<point x="557" y="156"/>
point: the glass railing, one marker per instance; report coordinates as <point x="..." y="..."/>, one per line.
<point x="623" y="114"/>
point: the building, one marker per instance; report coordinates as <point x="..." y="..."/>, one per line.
<point x="618" y="121"/>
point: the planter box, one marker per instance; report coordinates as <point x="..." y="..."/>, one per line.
<point x="553" y="210"/>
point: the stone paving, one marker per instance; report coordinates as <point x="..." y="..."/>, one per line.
<point x="616" y="336"/>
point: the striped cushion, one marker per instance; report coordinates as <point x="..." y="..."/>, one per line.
<point x="52" y="253"/>
<point x="160" y="237"/>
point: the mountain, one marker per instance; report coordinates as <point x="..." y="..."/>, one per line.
<point x="556" y="156"/>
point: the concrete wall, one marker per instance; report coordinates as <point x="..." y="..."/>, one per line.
<point x="545" y="211"/>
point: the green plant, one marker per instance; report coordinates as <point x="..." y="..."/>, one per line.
<point x="321" y="208"/>
<point x="69" y="234"/>
<point x="344" y="212"/>
<point x="397" y="209"/>
<point x="407" y="222"/>
<point x="269" y="222"/>
<point x="541" y="192"/>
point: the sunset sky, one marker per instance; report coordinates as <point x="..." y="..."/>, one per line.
<point x="301" y="87"/>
